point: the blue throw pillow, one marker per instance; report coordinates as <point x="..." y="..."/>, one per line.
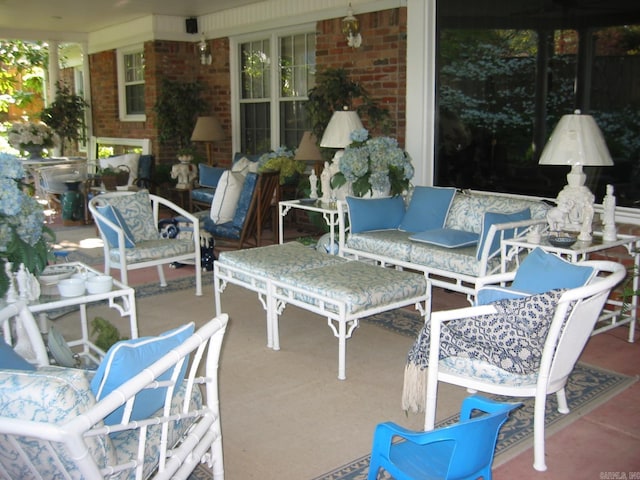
<point x="11" y="360"/>
<point x="127" y="358"/>
<point x="490" y="294"/>
<point x="113" y="215"/>
<point x="428" y="209"/>
<point x="366" y="214"/>
<point x="491" y="218"/>
<point x="541" y="271"/>
<point x="446" y="237"/>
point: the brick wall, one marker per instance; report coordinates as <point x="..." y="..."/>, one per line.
<point x="173" y="60"/>
<point x="379" y="65"/>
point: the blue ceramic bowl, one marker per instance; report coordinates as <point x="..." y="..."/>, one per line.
<point x="562" y="241"/>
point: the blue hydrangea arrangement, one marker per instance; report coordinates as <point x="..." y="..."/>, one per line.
<point x="374" y="164"/>
<point x="281" y="160"/>
<point x="23" y="235"/>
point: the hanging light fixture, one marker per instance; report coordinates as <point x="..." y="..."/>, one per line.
<point x="351" y="28"/>
<point x="205" y="52"/>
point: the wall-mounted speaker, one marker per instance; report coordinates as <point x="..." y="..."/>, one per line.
<point x="191" y="25"/>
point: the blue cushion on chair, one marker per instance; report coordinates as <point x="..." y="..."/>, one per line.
<point x="11" y="360"/>
<point x="367" y="214"/>
<point x="209" y="176"/>
<point x="446" y="237"/>
<point x="127" y="358"/>
<point x="491" y="218"/>
<point x="490" y="294"/>
<point x="248" y="190"/>
<point x="428" y="209"/>
<point x="113" y="215"/>
<point x="541" y="271"/>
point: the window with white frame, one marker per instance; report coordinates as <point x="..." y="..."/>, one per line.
<point x="273" y="89"/>
<point x="131" y="84"/>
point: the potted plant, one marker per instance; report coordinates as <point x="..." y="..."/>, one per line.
<point x="30" y="137"/>
<point x="177" y="109"/>
<point x="282" y="160"/>
<point x="65" y="115"/>
<point x="186" y="153"/>
<point x="374" y="166"/>
<point x="333" y="91"/>
<point x="114" y="177"/>
<point x="25" y="239"/>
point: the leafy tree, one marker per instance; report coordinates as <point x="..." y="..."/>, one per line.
<point x="27" y="60"/>
<point x="65" y="115"/>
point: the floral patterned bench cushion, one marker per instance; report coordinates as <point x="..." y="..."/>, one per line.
<point x="388" y="243"/>
<point x="359" y="285"/>
<point x="273" y="261"/>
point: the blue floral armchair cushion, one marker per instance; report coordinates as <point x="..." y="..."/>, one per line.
<point x="137" y="213"/>
<point x="49" y="395"/>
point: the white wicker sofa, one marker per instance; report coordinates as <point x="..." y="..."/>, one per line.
<point x="476" y="221"/>
<point x="52" y="426"/>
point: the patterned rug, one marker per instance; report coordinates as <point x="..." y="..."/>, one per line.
<point x="588" y="387"/>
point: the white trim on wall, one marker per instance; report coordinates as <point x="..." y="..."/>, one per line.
<point x="421" y="88"/>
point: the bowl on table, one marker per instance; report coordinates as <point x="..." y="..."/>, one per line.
<point x="99" y="284"/>
<point x="71" y="287"/>
<point x="562" y="240"/>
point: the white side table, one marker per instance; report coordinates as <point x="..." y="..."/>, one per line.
<point x="610" y="318"/>
<point x="121" y="298"/>
<point x="329" y="214"/>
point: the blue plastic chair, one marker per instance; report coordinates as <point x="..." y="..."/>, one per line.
<point x="460" y="451"/>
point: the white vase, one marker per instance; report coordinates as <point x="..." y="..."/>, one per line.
<point x="375" y="193"/>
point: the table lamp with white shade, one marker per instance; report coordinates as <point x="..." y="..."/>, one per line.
<point x="576" y="141"/>
<point x="337" y="135"/>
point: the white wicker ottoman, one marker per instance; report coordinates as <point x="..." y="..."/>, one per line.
<point x="346" y="292"/>
<point x="256" y="268"/>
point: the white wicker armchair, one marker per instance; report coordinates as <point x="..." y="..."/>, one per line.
<point x="131" y="237"/>
<point x="51" y="425"/>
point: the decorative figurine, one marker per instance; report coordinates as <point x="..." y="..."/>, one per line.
<point x="185" y="173"/>
<point x="609" y="216"/>
<point x="12" y="294"/>
<point x="325" y="183"/>
<point x="313" y="182"/>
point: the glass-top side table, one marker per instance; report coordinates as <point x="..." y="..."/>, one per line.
<point x="329" y="214"/>
<point x="121" y="297"/>
<point x="610" y="318"/>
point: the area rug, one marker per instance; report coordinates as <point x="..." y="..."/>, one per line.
<point x="588" y="388"/>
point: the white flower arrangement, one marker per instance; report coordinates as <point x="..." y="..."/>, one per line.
<point x="374" y="164"/>
<point x="23" y="136"/>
